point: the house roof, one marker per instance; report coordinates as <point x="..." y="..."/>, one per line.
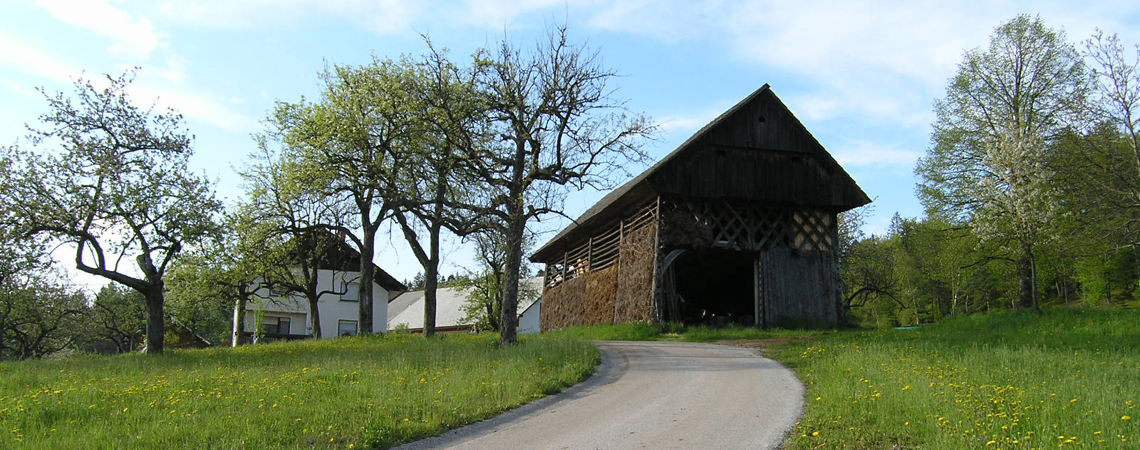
<point x="408" y="308"/>
<point x="641" y="188"/>
<point x="531" y="305"/>
<point x="344" y="257"/>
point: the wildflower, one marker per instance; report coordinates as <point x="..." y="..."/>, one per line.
<point x="1126" y="418"/>
<point x="815" y="433"/>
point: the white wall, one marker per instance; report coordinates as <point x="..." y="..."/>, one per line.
<point x="333" y="307"/>
<point x="528" y="322"/>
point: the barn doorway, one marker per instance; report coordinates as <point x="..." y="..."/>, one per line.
<point x="715" y="287"/>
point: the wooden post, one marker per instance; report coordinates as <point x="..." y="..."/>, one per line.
<point x="757" y="290"/>
<point x="590" y="253"/>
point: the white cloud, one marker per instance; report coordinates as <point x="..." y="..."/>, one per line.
<point x="17" y="55"/>
<point x="689" y="122"/>
<point x="877" y="60"/>
<point x="134" y="36"/>
<point x="194" y="106"/>
<point x="496" y="14"/>
<point x="869" y="154"/>
<point x="381" y="16"/>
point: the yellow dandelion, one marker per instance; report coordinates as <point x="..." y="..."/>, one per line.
<point x="1126" y="418"/>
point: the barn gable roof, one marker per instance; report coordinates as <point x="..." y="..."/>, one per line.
<point x="788" y="165"/>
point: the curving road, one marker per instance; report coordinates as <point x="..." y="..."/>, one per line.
<point x="651" y="395"/>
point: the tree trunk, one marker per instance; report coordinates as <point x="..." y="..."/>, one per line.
<point x="1025" y="276"/>
<point x="508" y="321"/>
<point x="431" y="272"/>
<point x="367" y="249"/>
<point x="155" y="323"/>
<point x="315" y="317"/>
<point x="1033" y="280"/>
<point x="431" y="283"/>
<point x="239" y="320"/>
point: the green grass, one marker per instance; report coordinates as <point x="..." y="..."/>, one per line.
<point x="637" y="331"/>
<point x="673" y="332"/>
<point x="1009" y="380"/>
<point x="1066" y="378"/>
<point x="339" y="393"/>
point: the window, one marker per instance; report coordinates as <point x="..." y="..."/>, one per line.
<point x="275" y="325"/>
<point x="351" y="292"/>
<point x="346" y="328"/>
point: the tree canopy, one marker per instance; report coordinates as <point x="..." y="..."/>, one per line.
<point x="115" y="186"/>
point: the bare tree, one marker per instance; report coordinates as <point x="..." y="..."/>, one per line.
<point x="555" y="124"/>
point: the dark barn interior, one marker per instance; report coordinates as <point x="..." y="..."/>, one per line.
<point x="715" y="287"/>
<point x="737" y="225"/>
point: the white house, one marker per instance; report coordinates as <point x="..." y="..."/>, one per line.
<point x="529" y="319"/>
<point x="408" y="308"/>
<point x="288" y="316"/>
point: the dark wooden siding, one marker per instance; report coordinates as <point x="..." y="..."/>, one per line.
<point x="798" y="288"/>
<point x="754" y="175"/>
<point x="763" y="123"/>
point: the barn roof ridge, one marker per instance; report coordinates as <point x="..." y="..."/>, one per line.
<point x="639" y="182"/>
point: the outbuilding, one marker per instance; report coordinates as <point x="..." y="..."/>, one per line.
<point x="737" y="225"/>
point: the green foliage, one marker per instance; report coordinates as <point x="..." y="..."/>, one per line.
<point x="118" y="316"/>
<point x="1010" y="379"/>
<point x="367" y="392"/>
<point x="483" y="307"/>
<point x="39" y="317"/>
<point x="1108" y="280"/>
<point x="115" y="186"/>
<point x="993" y="138"/>
<point x="348" y="158"/>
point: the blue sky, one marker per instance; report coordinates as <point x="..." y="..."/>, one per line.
<point x="860" y="75"/>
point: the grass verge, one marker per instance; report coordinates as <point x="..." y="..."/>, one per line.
<point x="1066" y="378"/>
<point x="372" y="392"/>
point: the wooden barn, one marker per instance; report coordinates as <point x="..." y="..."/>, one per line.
<point x="737" y="225"/>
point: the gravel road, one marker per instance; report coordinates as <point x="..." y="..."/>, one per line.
<point x="651" y="395"/>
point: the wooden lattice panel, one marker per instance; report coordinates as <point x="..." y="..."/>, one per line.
<point x="813" y="230"/>
<point x="722" y="224"/>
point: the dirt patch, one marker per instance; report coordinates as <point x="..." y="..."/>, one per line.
<point x="763" y="344"/>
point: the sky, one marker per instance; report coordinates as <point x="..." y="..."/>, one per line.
<point x="861" y="76"/>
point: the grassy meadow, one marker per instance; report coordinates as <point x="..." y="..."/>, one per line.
<point x="371" y="392"/>
<point x="1007" y="380"/>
